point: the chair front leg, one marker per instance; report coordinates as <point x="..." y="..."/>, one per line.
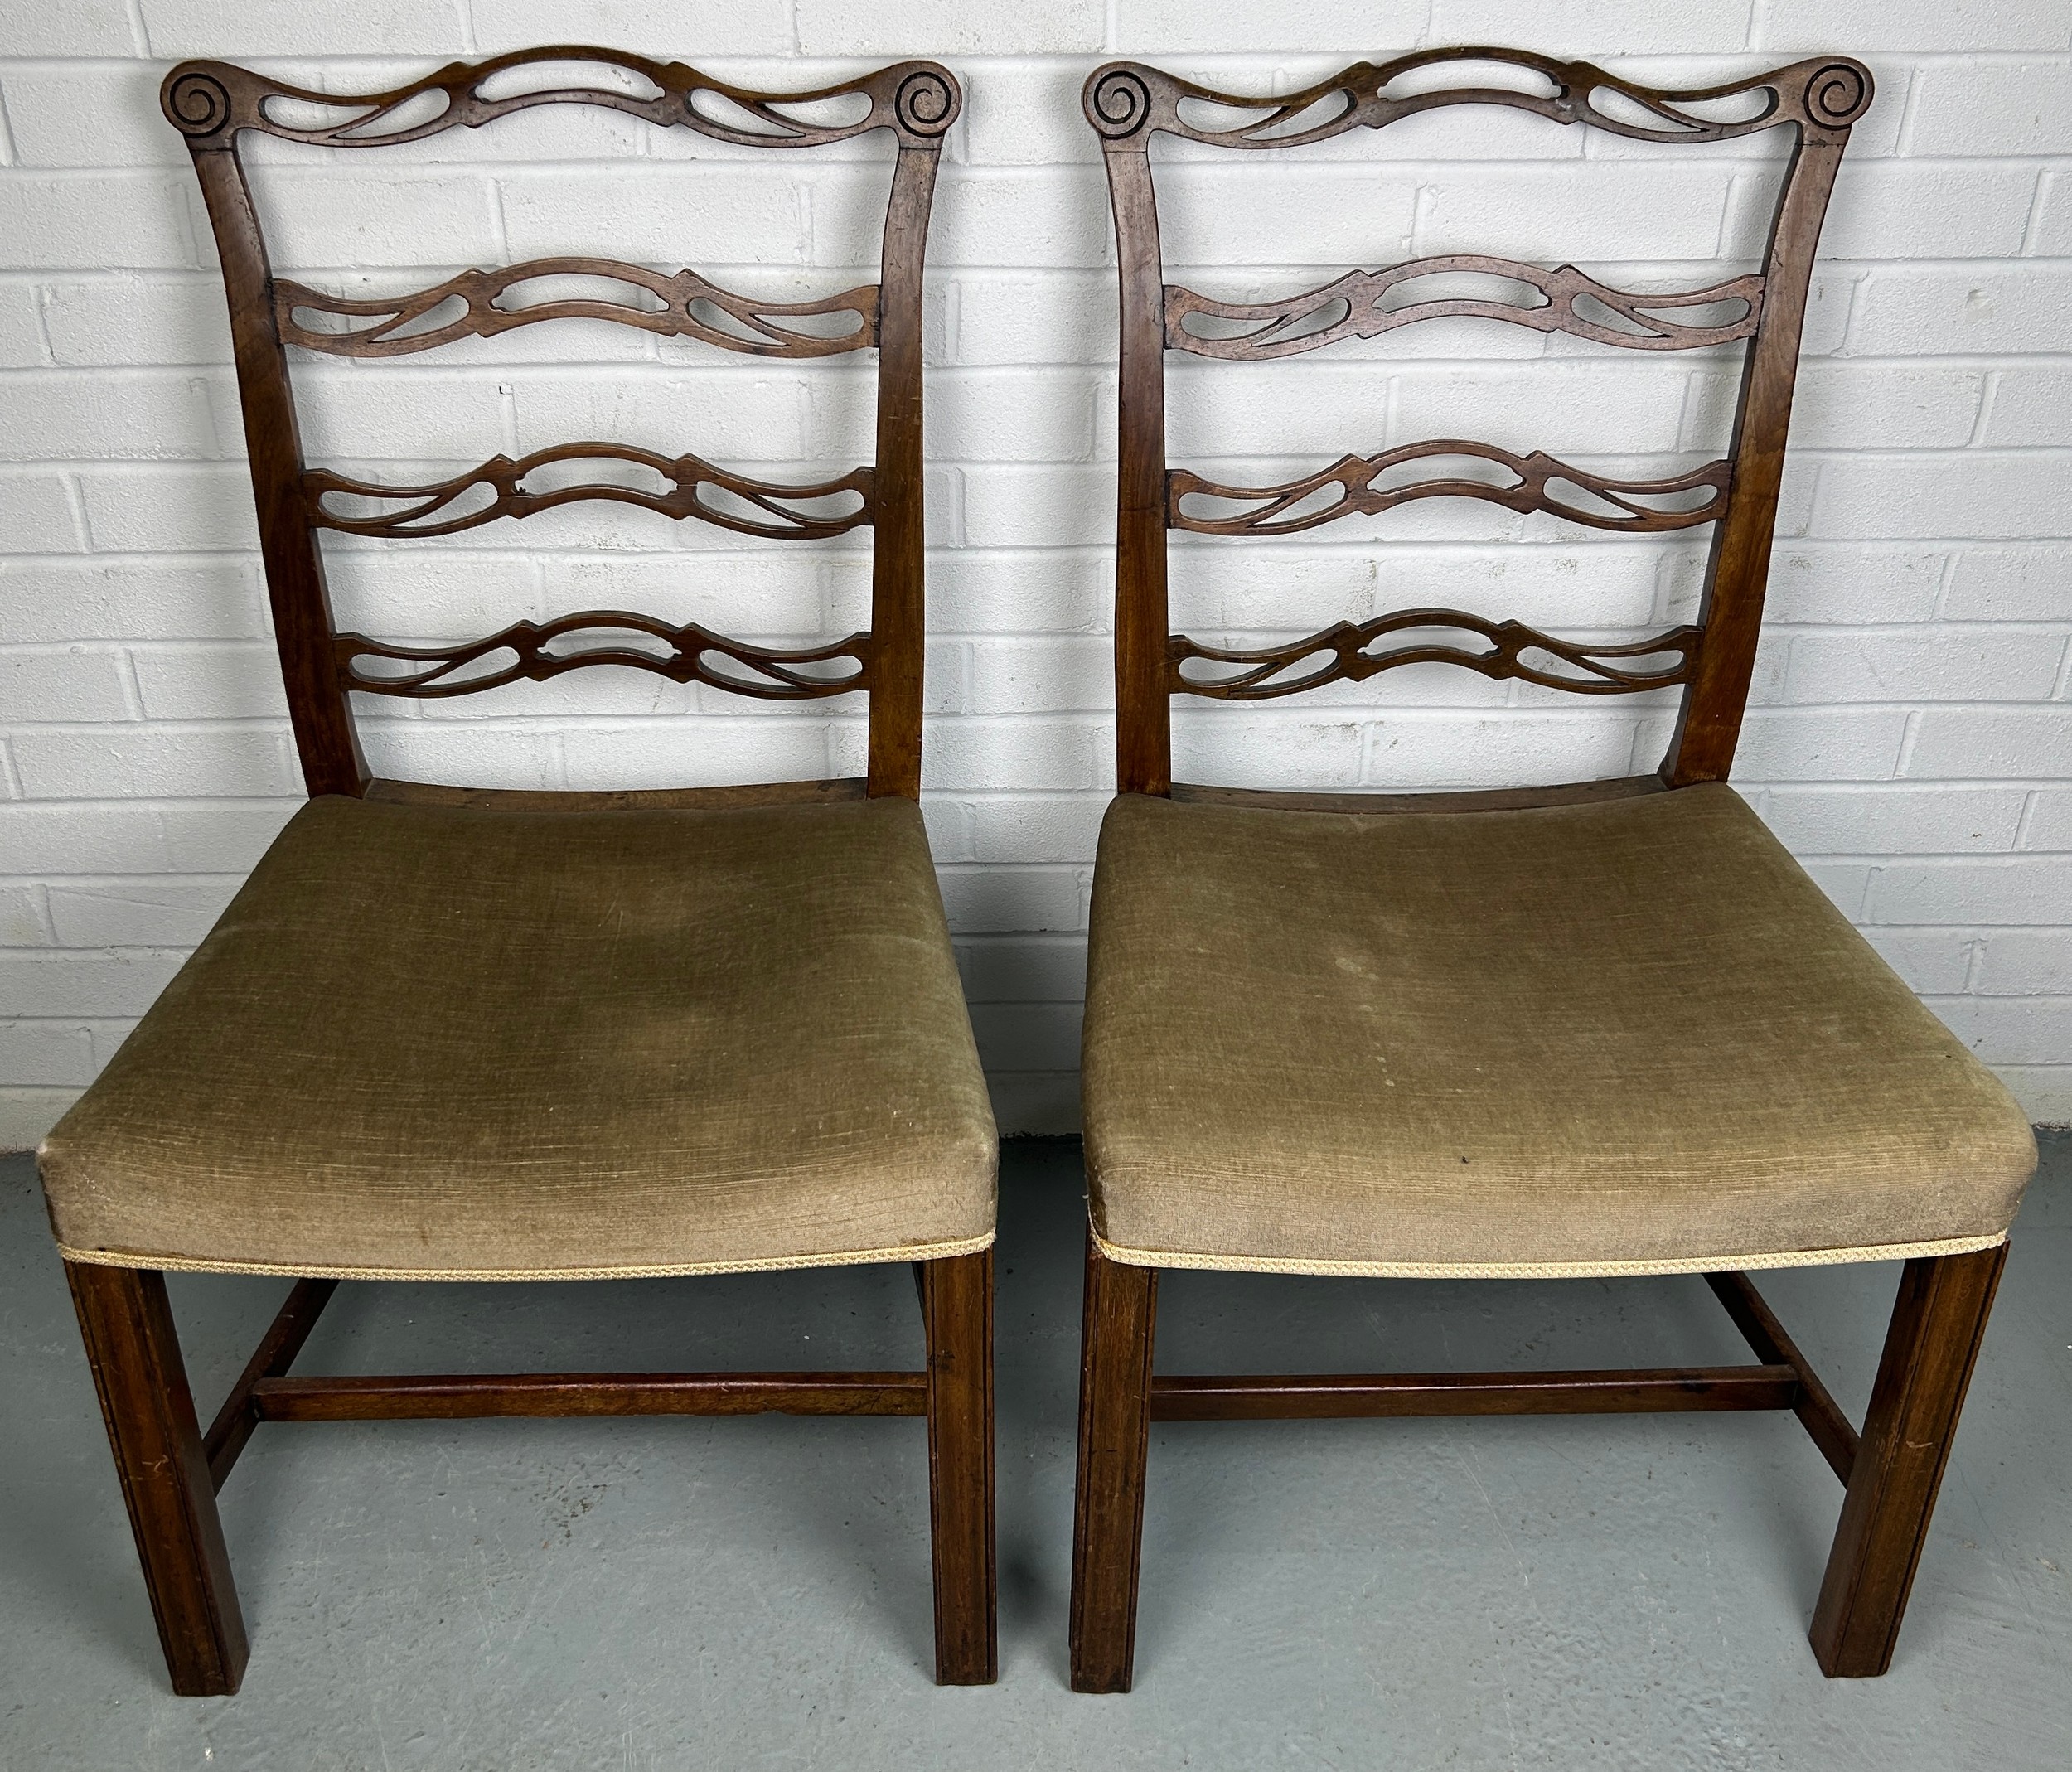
<point x="956" y="1309"/>
<point x="1114" y="1435"/>
<point x="1938" y="1323"/>
<point x="135" y="1355"/>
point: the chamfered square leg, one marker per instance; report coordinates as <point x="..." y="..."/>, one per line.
<point x="135" y="1355"/>
<point x="1938" y="1322"/>
<point x="1115" y="1432"/>
<point x="956" y="1309"/>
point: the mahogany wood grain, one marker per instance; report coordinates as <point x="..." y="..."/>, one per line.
<point x="1144" y="736"/>
<point x="275" y="1353"/>
<point x="956" y="1309"/>
<point x="1818" y="1412"/>
<point x="1737" y="572"/>
<point x="1289" y="1398"/>
<point x="453" y="1397"/>
<point x="1938" y="1321"/>
<point x="326" y="740"/>
<point x="1115" y="1390"/>
<point x="138" y="1375"/>
<point x="898" y="614"/>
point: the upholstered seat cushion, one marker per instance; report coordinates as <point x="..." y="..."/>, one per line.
<point x="466" y="1042"/>
<point x="1627" y="1036"/>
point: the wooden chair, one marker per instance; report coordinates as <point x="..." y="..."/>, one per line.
<point x="448" y="1034"/>
<point x="1597" y="1029"/>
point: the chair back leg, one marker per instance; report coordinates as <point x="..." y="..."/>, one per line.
<point x="135" y="1355"/>
<point x="956" y="1309"/>
<point x="1938" y="1323"/>
<point x="1114" y="1436"/>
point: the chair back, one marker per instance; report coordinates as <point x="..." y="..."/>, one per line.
<point x="1710" y="660"/>
<point x="213" y="103"/>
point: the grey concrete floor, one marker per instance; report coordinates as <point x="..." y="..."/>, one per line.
<point x="1589" y="1593"/>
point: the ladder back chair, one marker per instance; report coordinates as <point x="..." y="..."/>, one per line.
<point x="453" y="1034"/>
<point x="1603" y="1028"/>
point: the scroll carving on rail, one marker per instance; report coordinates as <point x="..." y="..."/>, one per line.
<point x="1126" y="100"/>
<point x="209" y="102"/>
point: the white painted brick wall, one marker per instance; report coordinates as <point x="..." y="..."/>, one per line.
<point x="1912" y="734"/>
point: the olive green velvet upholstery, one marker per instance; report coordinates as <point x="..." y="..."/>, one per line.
<point x="1625" y="1036"/>
<point x="469" y="1042"/>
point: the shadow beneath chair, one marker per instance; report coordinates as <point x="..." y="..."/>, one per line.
<point x="846" y="1498"/>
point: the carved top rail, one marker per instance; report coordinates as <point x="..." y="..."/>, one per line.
<point x="209" y="102"/>
<point x="1127" y="99"/>
<point x="1536" y="483"/>
<point x="693" y="306"/>
<point x="1354" y="306"/>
